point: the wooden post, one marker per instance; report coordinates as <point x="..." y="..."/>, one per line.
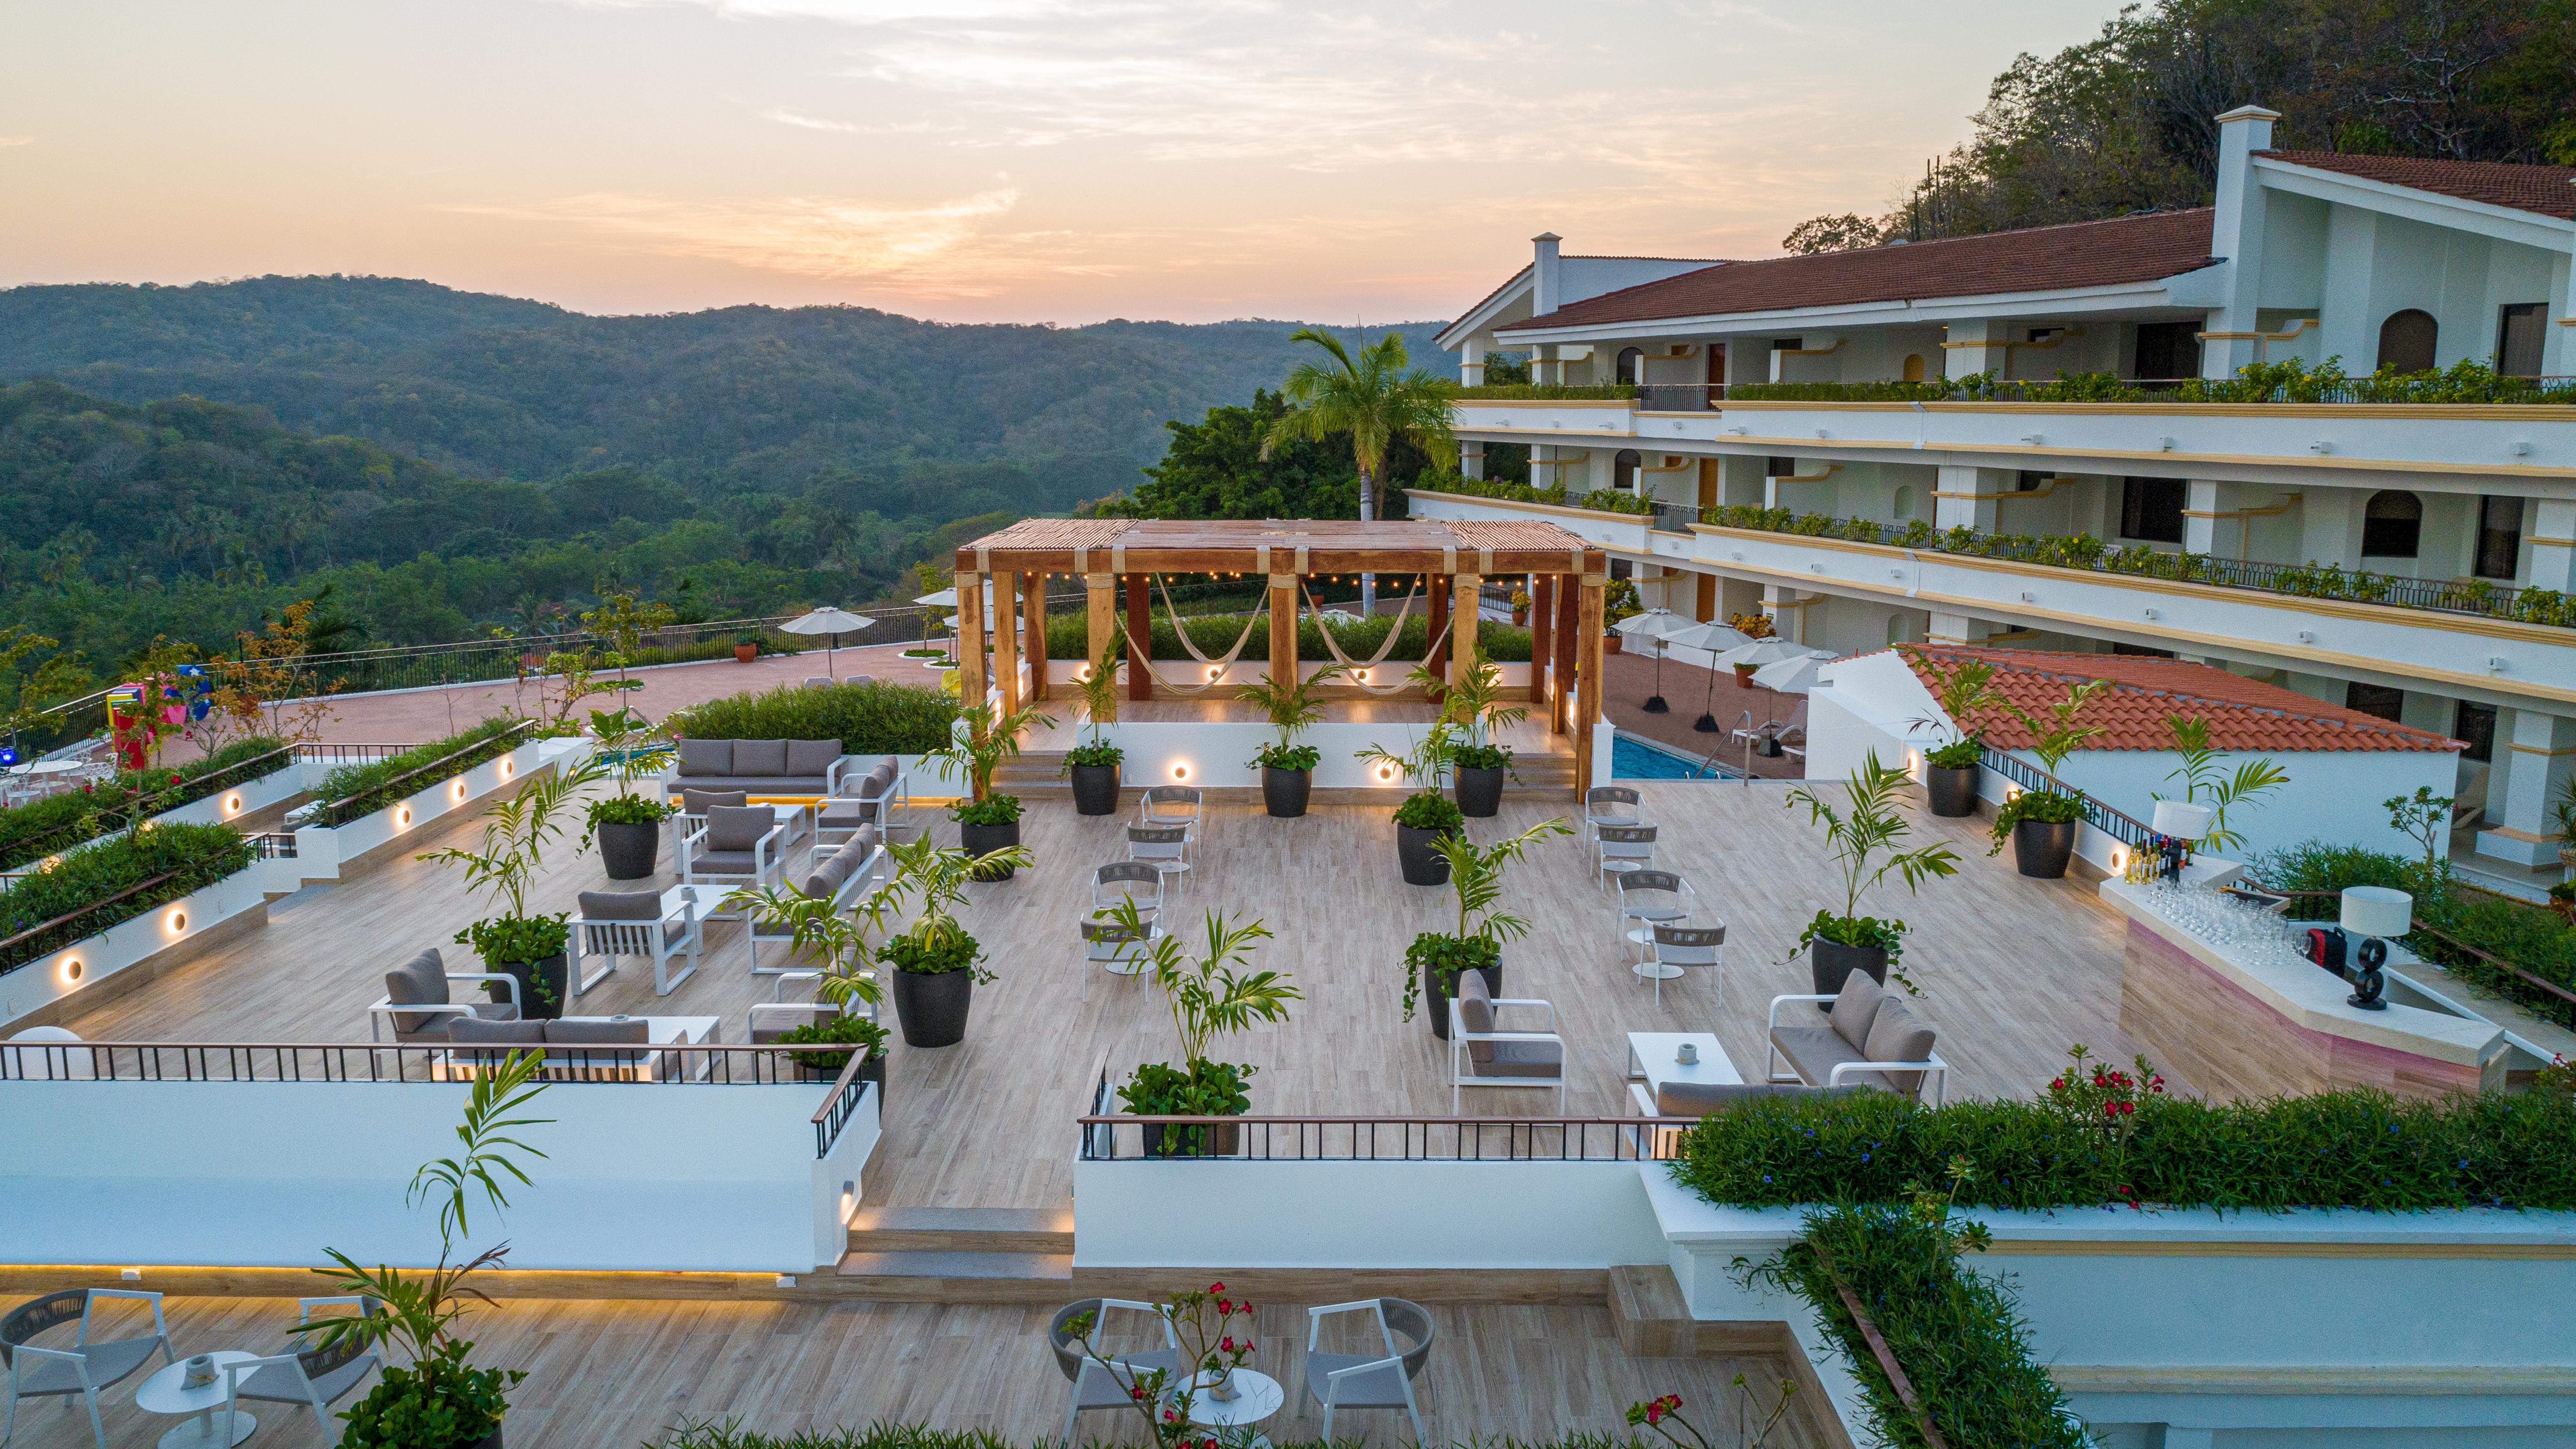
<point x="1033" y="609"/>
<point x="1561" y="681"/>
<point x="1436" y="659"/>
<point x="1283" y="630"/>
<point x="1587" y="680"/>
<point x="1101" y="600"/>
<point x="970" y="639"/>
<point x="1543" y="648"/>
<point x="1006" y="640"/>
<point x="1469" y="597"/>
<point x="1140" y="641"/>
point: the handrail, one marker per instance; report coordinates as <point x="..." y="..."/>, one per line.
<point x="260" y="850"/>
<point x="2110" y="822"/>
<point x="840" y="1103"/>
<point x="37" y="846"/>
<point x="1365" y="1138"/>
<point x="338" y="812"/>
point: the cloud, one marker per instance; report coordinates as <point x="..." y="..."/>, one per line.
<point x="17" y="140"/>
<point x="786" y="117"/>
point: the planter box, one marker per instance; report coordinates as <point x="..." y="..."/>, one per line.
<point x="249" y="797"/>
<point x="134" y="952"/>
<point x="336" y="853"/>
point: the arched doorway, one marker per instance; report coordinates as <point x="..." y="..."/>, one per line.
<point x="2406" y="342"/>
<point x="1632" y="362"/>
<point x="1626" y="469"/>
<point x="2392" y="525"/>
<point x="1914" y="367"/>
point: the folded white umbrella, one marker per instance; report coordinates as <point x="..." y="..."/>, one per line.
<point x="1790" y="676"/>
<point x="1766" y="651"/>
<point x="832" y="621"/>
<point x="1714" y="637"/>
<point x="1653" y="624"/>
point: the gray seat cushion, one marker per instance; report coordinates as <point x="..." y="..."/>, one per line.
<point x="596" y="1031"/>
<point x="1856" y="1008"/>
<point x="705" y="757"/>
<point x="420" y="981"/>
<point x="1382" y="1388"/>
<point x="108" y="1362"/>
<point x="1699" y="1099"/>
<point x="831" y="872"/>
<point x="739" y="827"/>
<point x="621" y="905"/>
<point x="480" y="1030"/>
<point x="699" y="802"/>
<point x="760" y="757"/>
<point x="1814" y="1051"/>
<point x="279" y="1384"/>
<point x="811" y="757"/>
<point x="1898" y="1035"/>
<point x="1475" y="1008"/>
<point x="724" y="862"/>
<point x="765" y="784"/>
<point x="1101" y="1389"/>
<point x="879" y="780"/>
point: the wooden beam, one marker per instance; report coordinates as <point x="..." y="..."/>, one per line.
<point x="1587" y="680"/>
<point x="1140" y="640"/>
<point x="1468" y="596"/>
<point x="1033" y="609"/>
<point x="1543" y="648"/>
<point x="1283" y="629"/>
<point x="1101" y="601"/>
<point x="1006" y="640"/>
<point x="1437" y="659"/>
<point x="970" y="640"/>
<point x="1561" y="681"/>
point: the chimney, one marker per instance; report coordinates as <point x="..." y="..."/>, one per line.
<point x="1546" y="294"/>
<point x="2241" y="133"/>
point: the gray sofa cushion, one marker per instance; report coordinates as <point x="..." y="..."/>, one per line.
<point x="516" y="1033"/>
<point x="880" y="779"/>
<point x="1814" y="1051"/>
<point x="828" y="873"/>
<point x="1699" y="1099"/>
<point x="699" y="802"/>
<point x="739" y="827"/>
<point x="420" y="981"/>
<point x="596" y="1031"/>
<point x="764" y="784"/>
<point x="1856" y="1008"/>
<point x="724" y="862"/>
<point x="1900" y="1036"/>
<point x="811" y="757"/>
<point x="706" y="757"/>
<point x="1475" y="1011"/>
<point x="753" y="758"/>
<point x="621" y="905"/>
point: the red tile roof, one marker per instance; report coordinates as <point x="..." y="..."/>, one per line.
<point x="2547" y="190"/>
<point x="2080" y="254"/>
<point x="2243" y="714"/>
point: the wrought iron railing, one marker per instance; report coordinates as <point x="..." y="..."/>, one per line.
<point x="1125" y="1138"/>
<point x="420" y="777"/>
<point x="2101" y="817"/>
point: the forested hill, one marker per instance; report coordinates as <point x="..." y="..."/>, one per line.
<point x="741" y="397"/>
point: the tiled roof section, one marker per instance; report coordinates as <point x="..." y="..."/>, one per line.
<point x="2243" y="714"/>
<point x="1514" y="278"/>
<point x="2081" y="254"/>
<point x="2547" y="190"/>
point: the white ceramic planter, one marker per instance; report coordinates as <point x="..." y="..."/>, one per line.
<point x="328" y="852"/>
<point x="86" y="963"/>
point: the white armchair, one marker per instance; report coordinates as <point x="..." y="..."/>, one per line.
<point x="646" y="924"/>
<point x="1894" y="1053"/>
<point x="418" y="1002"/>
<point x="739" y="845"/>
<point x="1481" y="1054"/>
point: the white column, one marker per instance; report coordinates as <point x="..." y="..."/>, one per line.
<point x="1967" y="496"/>
<point x="2553" y="543"/>
<point x="2236" y="233"/>
<point x="2199" y="510"/>
<point x="1944" y="628"/>
<point x="2544" y="754"/>
<point x="1543" y="364"/>
<point x="2559" y="356"/>
<point x="1471" y="363"/>
<point x="1973" y="347"/>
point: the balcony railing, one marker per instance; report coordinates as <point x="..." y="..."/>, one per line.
<point x="1599" y="500"/>
<point x="2469" y="384"/>
<point x="2101" y="817"/>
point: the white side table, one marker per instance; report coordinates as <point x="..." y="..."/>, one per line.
<point x="1257" y="1397"/>
<point x="162" y="1394"/>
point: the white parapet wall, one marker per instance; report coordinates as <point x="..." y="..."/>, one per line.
<point x="662" y="1177"/>
<point x="1219" y="755"/>
<point x="249" y="797"/>
<point x="326" y="852"/>
<point x="90" y="963"/>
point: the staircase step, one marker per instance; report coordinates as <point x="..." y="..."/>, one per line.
<point x="1654" y="1320"/>
<point x="961" y="1230"/>
<point x="916" y="1277"/>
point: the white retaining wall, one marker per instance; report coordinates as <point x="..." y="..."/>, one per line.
<point x="86" y="962"/>
<point x="321" y="850"/>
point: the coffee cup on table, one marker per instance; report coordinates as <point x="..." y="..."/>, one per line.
<point x="1688" y="1055"/>
<point x="201" y="1371"/>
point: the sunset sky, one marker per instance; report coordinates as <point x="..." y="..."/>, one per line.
<point x="967" y="160"/>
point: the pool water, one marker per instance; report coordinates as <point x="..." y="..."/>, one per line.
<point x="1632" y="758"/>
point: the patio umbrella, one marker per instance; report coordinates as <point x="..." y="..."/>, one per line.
<point x="1790" y="676"/>
<point x="1716" y="638"/>
<point x="1765" y="653"/>
<point x="832" y="621"/>
<point x="1654" y="625"/>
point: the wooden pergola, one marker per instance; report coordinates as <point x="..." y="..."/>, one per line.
<point x="1567" y="577"/>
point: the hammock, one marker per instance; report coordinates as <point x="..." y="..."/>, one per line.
<point x="1386" y="646"/>
<point x="1221" y="665"/>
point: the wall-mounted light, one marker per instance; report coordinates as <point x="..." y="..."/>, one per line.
<point x="71" y="969"/>
<point x="2119" y="861"/>
<point x="1361" y="675"/>
<point x="508" y="767"/>
<point x="232" y="804"/>
<point x="402" y="815"/>
<point x="1180" y="770"/>
<point x="1216" y="671"/>
<point x="1385" y="773"/>
<point x="456" y="791"/>
<point x="176" y="922"/>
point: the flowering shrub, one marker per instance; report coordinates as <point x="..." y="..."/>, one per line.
<point x="1202" y="1321"/>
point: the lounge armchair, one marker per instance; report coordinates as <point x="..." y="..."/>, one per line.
<point x="1368" y="1380"/>
<point x="1095" y="1386"/>
<point x="1620" y="848"/>
<point x="316" y="1378"/>
<point x="1164" y="847"/>
<point x="418" y="1005"/>
<point x="1869" y="1039"/>
<point x="1482" y="1055"/>
<point x="1172" y="805"/>
<point x="1673" y="946"/>
<point x="841" y="876"/>
<point x="769" y="1020"/>
<point x="85" y="1367"/>
<point x="632" y="923"/>
<point x="763" y="767"/>
<point x="862" y="800"/>
<point x="738" y="846"/>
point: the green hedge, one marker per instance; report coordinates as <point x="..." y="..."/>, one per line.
<point x="2293" y="381"/>
<point x="354" y="790"/>
<point x="1068" y="637"/>
<point x="1549" y="391"/>
<point x="868" y="719"/>
<point x="729" y="1434"/>
<point x="42" y="827"/>
<point x="2531" y="937"/>
<point x="1956" y="1334"/>
<point x="2360" y="1149"/>
<point x="1599" y="500"/>
<point x="201" y="854"/>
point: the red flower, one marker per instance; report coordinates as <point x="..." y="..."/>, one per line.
<point x="1654" y="1411"/>
<point x="1170" y="1414"/>
<point x="1137" y="1394"/>
<point x="1227" y="1344"/>
<point x="1216" y="1287"/>
<point x="1222" y="1306"/>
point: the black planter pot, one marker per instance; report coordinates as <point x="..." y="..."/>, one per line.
<point x="533" y="1004"/>
<point x="932" y="1008"/>
<point x="1439" y="999"/>
<point x="491" y="1440"/>
<point x="983" y="840"/>
<point x="630" y="851"/>
<point x="1227" y="1141"/>
<point x="1284" y="792"/>
<point x="1423" y="866"/>
<point x="1952" y="789"/>
<point x="2041" y="848"/>
<point x="1095" y="789"/>
<point x="1480" y="791"/>
<point x="1831" y="964"/>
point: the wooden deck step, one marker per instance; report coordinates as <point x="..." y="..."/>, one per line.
<point x="1654" y="1321"/>
<point x="934" y="1277"/>
<point x="962" y="1230"/>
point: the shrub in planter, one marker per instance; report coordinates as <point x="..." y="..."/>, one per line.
<point x="1210" y="992"/>
<point x="1203" y="1089"/>
<point x="1481" y="772"/>
<point x="987" y="823"/>
<point x="984" y="829"/>
<point x="45" y="827"/>
<point x="530" y="948"/>
<point x="876" y="718"/>
<point x="1424" y="820"/>
<point x="1094" y="763"/>
<point x="1950" y="776"/>
<point x="1476" y="877"/>
<point x="2040" y="827"/>
<point x="355" y="790"/>
<point x="516" y="835"/>
<point x="1862" y="834"/>
<point x="936" y="964"/>
<point x="1432" y="964"/>
<point x="1287" y="767"/>
<point x="627" y="825"/>
<point x="1964" y="688"/>
<point x="191" y="856"/>
<point x="1287" y="778"/>
<point x="1473" y="705"/>
<point x="843" y="1029"/>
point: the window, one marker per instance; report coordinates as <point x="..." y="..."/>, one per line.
<point x="2406" y="341"/>
<point x="2474" y="726"/>
<point x="1624" y="469"/>
<point x="2518" y="338"/>
<point x="1631" y="364"/>
<point x="1621" y="568"/>
<point x="2392" y="525"/>
<point x="2140" y="651"/>
<point x="1904" y="503"/>
<point x="1899" y="629"/>
<point x="2151" y="509"/>
<point x="1787" y="344"/>
<point x="2030" y="479"/>
<point x="2389" y="704"/>
<point x="2167" y="350"/>
<point x="1914" y="367"/>
<point x="1779" y="467"/>
<point x="2499" y="537"/>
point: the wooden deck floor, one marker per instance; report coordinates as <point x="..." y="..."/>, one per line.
<point x="2015" y="971"/>
<point x="610" y="1375"/>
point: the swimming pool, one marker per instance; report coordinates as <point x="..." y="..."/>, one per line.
<point x="1632" y="758"/>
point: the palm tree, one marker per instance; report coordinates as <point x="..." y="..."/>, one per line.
<point x="1376" y="398"/>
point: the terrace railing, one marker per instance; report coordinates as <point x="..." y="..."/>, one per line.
<point x="374" y="797"/>
<point x="2101" y="817"/>
<point x="1134" y="1138"/>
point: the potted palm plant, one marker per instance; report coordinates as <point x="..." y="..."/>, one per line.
<point x="987" y="824"/>
<point x="1475" y="706"/>
<point x="2205" y="782"/>
<point x="627" y="825"/>
<point x="1951" y="771"/>
<point x="936" y="964"/>
<point x="1287" y="767"/>
<point x="1863" y="835"/>
<point x="1094" y="763"/>
<point x="833" y="942"/>
<point x="2040" y="824"/>
<point x="503" y="864"/>
<point x="1208" y="996"/>
<point x="1435" y="958"/>
<point x="1426" y="815"/>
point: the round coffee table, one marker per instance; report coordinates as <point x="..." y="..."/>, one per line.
<point x="1257" y="1397"/>
<point x="162" y="1394"/>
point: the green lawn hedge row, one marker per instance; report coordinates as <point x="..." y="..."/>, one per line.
<point x="201" y="854"/>
<point x="2531" y="937"/>
<point x="1069" y="637"/>
<point x="42" y="827"/>
<point x="877" y="718"/>
<point x="692" y="1434"/>
<point x="355" y="790"/>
